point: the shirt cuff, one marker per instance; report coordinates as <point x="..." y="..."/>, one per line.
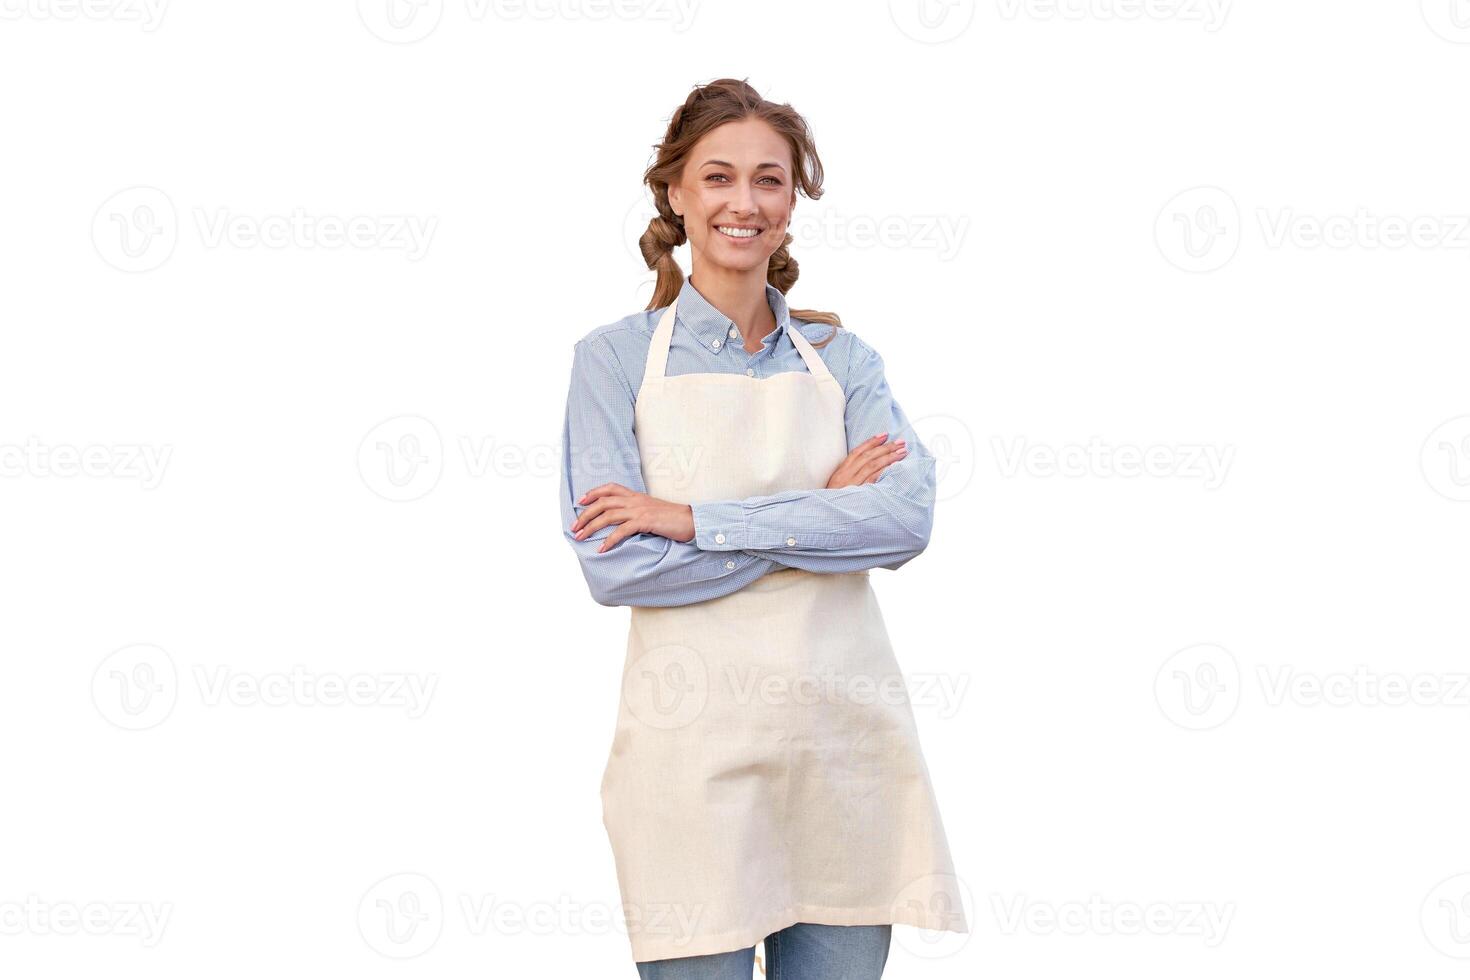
<point x="719" y="525"/>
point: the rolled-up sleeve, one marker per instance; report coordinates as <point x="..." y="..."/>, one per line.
<point x="599" y="446"/>
<point x="883" y="524"/>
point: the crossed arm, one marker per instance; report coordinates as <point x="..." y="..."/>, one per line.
<point x="881" y="524"/>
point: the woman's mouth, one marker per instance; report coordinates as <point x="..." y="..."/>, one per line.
<point x="738" y="232"/>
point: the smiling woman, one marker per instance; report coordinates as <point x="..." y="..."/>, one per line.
<point x="732" y="454"/>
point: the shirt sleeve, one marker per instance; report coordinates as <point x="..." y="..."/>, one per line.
<point x="599" y="446"/>
<point x="883" y="524"/>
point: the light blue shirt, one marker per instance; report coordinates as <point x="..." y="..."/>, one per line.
<point x="875" y="525"/>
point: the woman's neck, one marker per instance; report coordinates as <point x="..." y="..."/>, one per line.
<point x="741" y="297"/>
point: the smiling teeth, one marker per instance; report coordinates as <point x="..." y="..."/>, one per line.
<point x="739" y="232"/>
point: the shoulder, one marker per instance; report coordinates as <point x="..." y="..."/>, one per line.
<point x="617" y="347"/>
<point x="633" y="327"/>
<point x="847" y="355"/>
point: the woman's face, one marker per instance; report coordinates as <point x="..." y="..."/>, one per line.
<point x="738" y="176"/>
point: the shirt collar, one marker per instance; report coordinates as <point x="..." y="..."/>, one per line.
<point x="709" y="324"/>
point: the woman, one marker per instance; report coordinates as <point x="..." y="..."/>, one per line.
<point x="765" y="780"/>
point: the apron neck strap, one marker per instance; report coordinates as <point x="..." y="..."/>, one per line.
<point x="658" y="349"/>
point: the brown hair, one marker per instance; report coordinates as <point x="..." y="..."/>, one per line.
<point x="721" y="101"/>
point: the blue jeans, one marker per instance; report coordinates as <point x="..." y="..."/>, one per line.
<point x="805" y="951"/>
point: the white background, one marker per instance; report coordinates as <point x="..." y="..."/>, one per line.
<point x="1193" y="229"/>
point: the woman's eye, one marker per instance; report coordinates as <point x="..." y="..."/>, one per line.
<point x="775" y="181"/>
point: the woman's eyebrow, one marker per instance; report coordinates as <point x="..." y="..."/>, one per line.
<point x="726" y="163"/>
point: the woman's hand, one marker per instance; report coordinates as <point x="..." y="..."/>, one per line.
<point x="867" y="461"/>
<point x="634" y="513"/>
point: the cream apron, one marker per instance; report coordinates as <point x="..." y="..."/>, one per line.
<point x="765" y="769"/>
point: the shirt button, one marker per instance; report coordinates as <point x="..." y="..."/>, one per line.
<point x="733" y="333"/>
<point x="791" y="542"/>
<point x="729" y="564"/>
<point x="719" y="539"/>
<point x="715" y="344"/>
<point x="750" y="372"/>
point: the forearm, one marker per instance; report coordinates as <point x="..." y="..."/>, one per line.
<point x="873" y="525"/>
<point x="648" y="570"/>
